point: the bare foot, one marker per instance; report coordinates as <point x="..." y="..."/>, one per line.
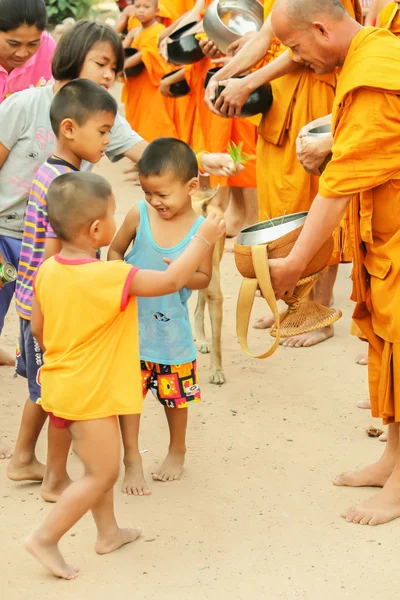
<point x="51" y="490"/>
<point x="20" y="471"/>
<point x="50" y="558"/>
<point x="172" y="467"/>
<point x="375" y="475"/>
<point x="134" y="483"/>
<point x="6" y="360"/>
<point x="5" y="451"/>
<point x="381" y="508"/>
<point x="362" y="359"/>
<point x="364" y="403"/>
<point x="305" y="340"/>
<point x="120" y="538"/>
<point x="264" y="323"/>
<point x="383" y="437"/>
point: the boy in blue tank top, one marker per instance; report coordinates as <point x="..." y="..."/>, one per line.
<point x="159" y="230"/>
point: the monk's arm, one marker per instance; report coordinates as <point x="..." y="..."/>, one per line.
<point x="189" y="17"/>
<point x="133" y="61"/>
<point x="324" y="216"/>
<point x="237" y="91"/>
<point x="248" y="56"/>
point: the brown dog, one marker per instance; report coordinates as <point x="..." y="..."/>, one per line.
<point x="212" y="296"/>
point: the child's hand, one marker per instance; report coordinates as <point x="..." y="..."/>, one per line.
<point x="220" y="164"/>
<point x="212" y="229"/>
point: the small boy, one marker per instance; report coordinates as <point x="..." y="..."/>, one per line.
<point x="85" y="319"/>
<point x="160" y="228"/>
<point x="82" y="115"/>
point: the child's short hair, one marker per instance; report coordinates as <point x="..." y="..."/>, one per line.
<point x="79" y="100"/>
<point x="74" y="45"/>
<point x="74" y="200"/>
<point x="169" y="155"/>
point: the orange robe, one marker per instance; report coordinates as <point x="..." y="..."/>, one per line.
<point x="389" y="18"/>
<point x="147" y="111"/>
<point x="366" y="131"/>
<point x="283" y="185"/>
<point x="217" y="132"/>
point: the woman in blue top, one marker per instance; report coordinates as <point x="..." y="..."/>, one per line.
<point x="160" y="230"/>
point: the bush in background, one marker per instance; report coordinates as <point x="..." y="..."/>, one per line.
<point x="58" y="10"/>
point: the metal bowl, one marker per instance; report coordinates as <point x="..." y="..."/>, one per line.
<point x="226" y="21"/>
<point x="184" y="49"/>
<point x="269" y="231"/>
<point x="133" y="71"/>
<point x="179" y="89"/>
<point x="322" y="130"/>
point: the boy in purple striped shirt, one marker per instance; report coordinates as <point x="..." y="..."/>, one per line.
<point x="82" y="115"/>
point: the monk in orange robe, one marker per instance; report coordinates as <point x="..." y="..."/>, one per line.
<point x="146" y="110"/>
<point x="364" y="174"/>
<point x="300" y="96"/>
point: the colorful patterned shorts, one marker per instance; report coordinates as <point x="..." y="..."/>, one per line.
<point x="175" y="386"/>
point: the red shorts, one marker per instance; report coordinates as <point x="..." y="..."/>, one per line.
<point x="59" y="423"/>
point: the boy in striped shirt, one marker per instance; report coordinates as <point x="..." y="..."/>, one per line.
<point x="82" y="115"/>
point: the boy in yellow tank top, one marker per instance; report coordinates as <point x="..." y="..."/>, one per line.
<point x="85" y="319"/>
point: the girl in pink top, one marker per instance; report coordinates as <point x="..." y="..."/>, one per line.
<point x="26" y="49"/>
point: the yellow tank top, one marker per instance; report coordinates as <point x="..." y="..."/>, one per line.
<point x="91" y="364"/>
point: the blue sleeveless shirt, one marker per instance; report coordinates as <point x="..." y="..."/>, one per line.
<point x="165" y="333"/>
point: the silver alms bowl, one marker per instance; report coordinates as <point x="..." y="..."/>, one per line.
<point x="269" y="231"/>
<point x="322" y="130"/>
<point x="226" y="21"/>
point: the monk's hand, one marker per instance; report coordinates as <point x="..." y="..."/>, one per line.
<point x="210" y="49"/>
<point x="238" y="44"/>
<point x="165" y="89"/>
<point x="232" y="98"/>
<point x="285" y="274"/>
<point x="163" y="48"/>
<point x="220" y="164"/>
<point x="312" y="152"/>
<point x="210" y="95"/>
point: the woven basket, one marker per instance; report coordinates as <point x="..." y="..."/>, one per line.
<point x="302" y="315"/>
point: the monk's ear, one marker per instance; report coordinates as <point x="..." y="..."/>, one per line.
<point x="320" y="30"/>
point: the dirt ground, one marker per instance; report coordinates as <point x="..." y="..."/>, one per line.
<point x="255" y="515"/>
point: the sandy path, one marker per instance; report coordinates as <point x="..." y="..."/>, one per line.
<point x="255" y="515"/>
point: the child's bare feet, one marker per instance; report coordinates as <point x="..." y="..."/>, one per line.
<point x="134" y="483"/>
<point x="50" y="558"/>
<point x="375" y="475"/>
<point x="5" y="451"/>
<point x="172" y="467"/>
<point x="31" y="470"/>
<point x="52" y="489"/>
<point x="120" y="538"/>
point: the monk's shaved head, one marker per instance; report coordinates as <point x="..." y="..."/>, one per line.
<point x="303" y="12"/>
<point x="318" y="32"/>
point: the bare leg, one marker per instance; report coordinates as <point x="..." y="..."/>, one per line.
<point x="101" y="463"/>
<point x="172" y="467"/>
<point x="222" y="198"/>
<point x="250" y="202"/>
<point x="385" y="505"/>
<point x="375" y="475"/>
<point x="6" y="360"/>
<point x="24" y="465"/>
<point x="134" y="482"/>
<point x="322" y="294"/>
<point x="235" y="213"/>
<point x="56" y="477"/>
<point x="110" y="537"/>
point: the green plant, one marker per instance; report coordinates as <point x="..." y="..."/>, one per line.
<point x="238" y="156"/>
<point x="58" y="10"/>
